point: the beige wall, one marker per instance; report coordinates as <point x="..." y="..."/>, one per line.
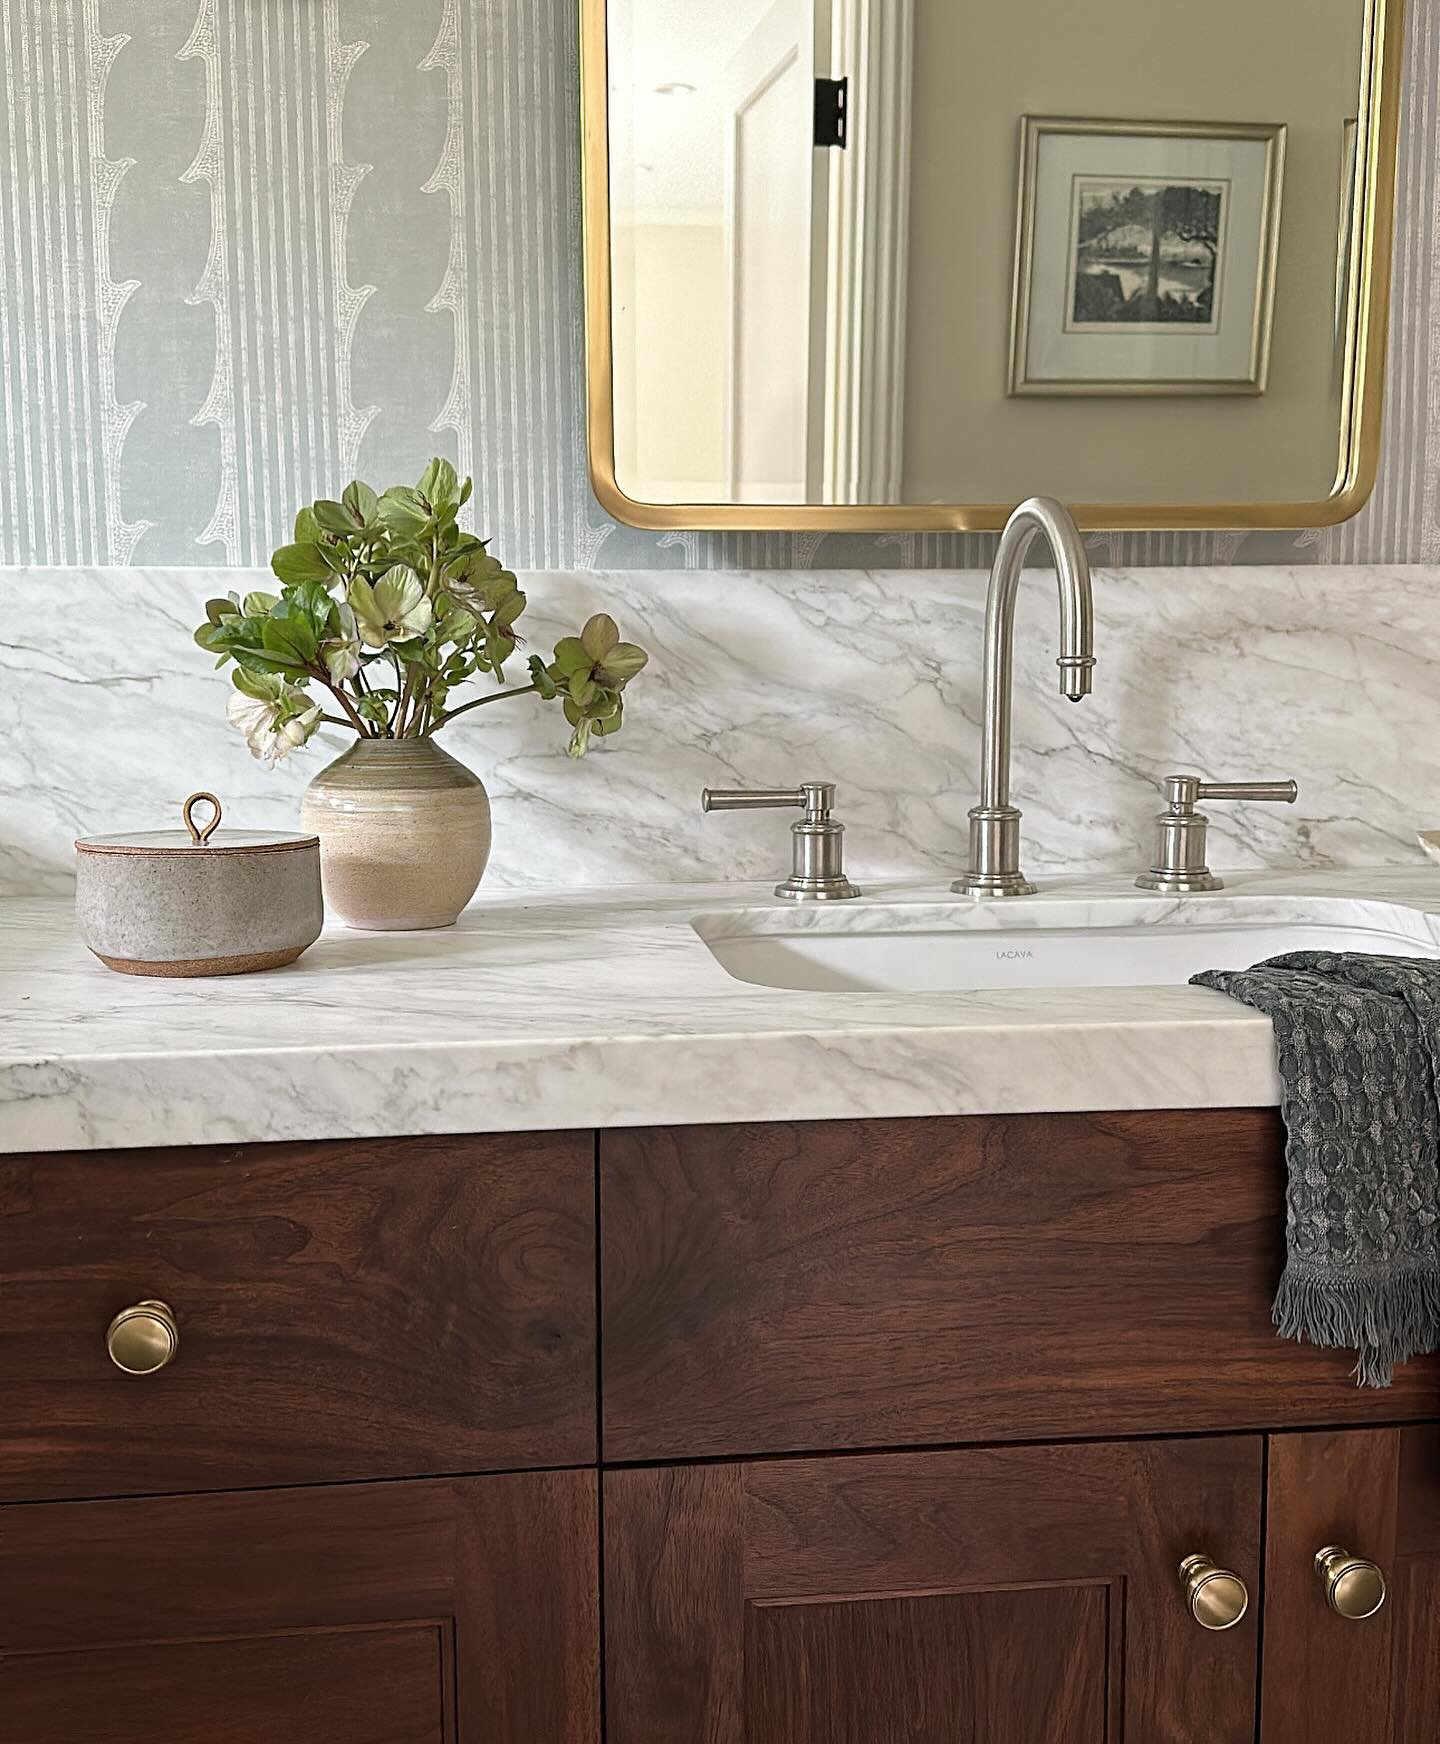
<point x="669" y="392"/>
<point x="979" y="68"/>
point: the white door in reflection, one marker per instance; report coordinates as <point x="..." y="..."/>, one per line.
<point x="773" y="259"/>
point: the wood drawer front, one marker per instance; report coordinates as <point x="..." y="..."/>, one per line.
<point x="449" y="1611"/>
<point x="891" y="1283"/>
<point x="346" y="1310"/>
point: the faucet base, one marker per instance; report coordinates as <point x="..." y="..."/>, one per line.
<point x="994" y="854"/>
<point x="993" y="884"/>
<point x="837" y="889"/>
<point x="1179" y="883"/>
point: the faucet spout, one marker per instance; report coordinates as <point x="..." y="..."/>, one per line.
<point x="995" y="823"/>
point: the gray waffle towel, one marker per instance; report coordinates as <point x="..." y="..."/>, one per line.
<point x="1358" y="1039"/>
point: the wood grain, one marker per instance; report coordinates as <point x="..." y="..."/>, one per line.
<point x="853" y="1284"/>
<point x="1376" y="1493"/>
<point x="347" y="1310"/>
<point x="978" y="1668"/>
<point x="464" y="1610"/>
<point x="1061" y="1560"/>
<point x="373" y="1686"/>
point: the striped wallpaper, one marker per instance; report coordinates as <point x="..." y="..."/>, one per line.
<point x="249" y="247"/>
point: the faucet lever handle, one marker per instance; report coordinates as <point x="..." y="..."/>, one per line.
<point x="814" y="798"/>
<point x="817" y="840"/>
<point x="1282" y="792"/>
<point x="1182" y="791"/>
<point x="1180" y="830"/>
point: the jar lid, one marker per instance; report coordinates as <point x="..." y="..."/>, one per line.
<point x="197" y="838"/>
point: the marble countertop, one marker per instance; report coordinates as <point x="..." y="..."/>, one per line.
<point x="605" y="1008"/>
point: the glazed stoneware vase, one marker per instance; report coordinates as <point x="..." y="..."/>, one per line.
<point x="404" y="834"/>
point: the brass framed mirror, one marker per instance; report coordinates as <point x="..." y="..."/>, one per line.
<point x="896" y="264"/>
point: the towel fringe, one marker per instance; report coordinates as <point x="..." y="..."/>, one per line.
<point x="1385" y="1320"/>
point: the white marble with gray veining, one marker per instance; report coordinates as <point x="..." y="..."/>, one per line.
<point x="599" y="1009"/>
<point x="109" y="716"/>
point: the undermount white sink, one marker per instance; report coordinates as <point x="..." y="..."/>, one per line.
<point x="1037" y="943"/>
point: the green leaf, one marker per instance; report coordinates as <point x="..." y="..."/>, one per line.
<point x="217" y="610"/>
<point x="439" y="485"/>
<point x="312" y="601"/>
<point x="361" y="502"/>
<point x="260" y="605"/>
<point x="604" y="725"/>
<point x="599" y="636"/>
<point x="465" y="490"/>
<point x="307" y="528"/>
<point x="582" y="687"/>
<point x="456" y="626"/>
<point x="509" y="610"/>
<point x="541" y="679"/>
<point x="294" y="563"/>
<point x="334" y="517"/>
<point x="570" y="656"/>
<point x="258" y="685"/>
<point x="249" y="661"/>
<point x="621" y="664"/>
<point x="289" y="639"/>
<point x="402" y="513"/>
<point x="373" y="708"/>
<point x="336" y="556"/>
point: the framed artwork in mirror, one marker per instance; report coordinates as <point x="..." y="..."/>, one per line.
<point x="1145" y="256"/>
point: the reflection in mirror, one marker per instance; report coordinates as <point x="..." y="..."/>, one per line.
<point x="941" y="252"/>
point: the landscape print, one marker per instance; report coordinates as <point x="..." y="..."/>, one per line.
<point x="1146" y="253"/>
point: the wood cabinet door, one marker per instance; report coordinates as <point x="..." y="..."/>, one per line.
<point x="1001" y="1596"/>
<point x="430" y="1612"/>
<point x="1376" y="1680"/>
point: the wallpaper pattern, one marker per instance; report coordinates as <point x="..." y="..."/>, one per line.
<point x="250" y="247"/>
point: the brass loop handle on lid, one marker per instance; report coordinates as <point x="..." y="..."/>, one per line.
<point x="1354" y="1586"/>
<point x="1217" y="1597"/>
<point x="144" y="1338"/>
<point x="200" y="835"/>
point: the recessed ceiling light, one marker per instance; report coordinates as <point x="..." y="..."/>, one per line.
<point x="675" y="88"/>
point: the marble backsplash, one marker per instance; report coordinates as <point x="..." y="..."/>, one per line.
<point x="109" y="716"/>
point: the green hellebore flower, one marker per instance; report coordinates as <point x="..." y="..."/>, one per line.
<point x="396" y="609"/>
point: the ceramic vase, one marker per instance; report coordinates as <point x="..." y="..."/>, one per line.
<point x="404" y="834"/>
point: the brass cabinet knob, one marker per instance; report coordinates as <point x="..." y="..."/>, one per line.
<point x="1354" y="1588"/>
<point x="1217" y="1597"/>
<point x="142" y="1339"/>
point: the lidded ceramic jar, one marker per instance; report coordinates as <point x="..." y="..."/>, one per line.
<point x="198" y="901"/>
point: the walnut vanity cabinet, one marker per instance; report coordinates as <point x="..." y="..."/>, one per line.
<point x="870" y="1432"/>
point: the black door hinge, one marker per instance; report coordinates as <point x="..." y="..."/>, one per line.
<point x="832" y="111"/>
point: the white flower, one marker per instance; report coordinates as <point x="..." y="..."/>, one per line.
<point x="341" y="653"/>
<point x="273" y="727"/>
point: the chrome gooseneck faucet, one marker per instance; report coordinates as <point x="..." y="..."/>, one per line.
<point x="995" y="823"/>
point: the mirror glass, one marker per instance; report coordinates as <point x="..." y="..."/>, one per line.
<point x="932" y="252"/>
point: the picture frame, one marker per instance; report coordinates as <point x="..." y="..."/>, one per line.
<point x="1145" y="256"/>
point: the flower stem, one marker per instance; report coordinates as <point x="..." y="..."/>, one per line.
<point x="354" y="718"/>
<point x="479" y="702"/>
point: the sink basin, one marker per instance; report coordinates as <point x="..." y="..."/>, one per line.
<point x="1038" y="943"/>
